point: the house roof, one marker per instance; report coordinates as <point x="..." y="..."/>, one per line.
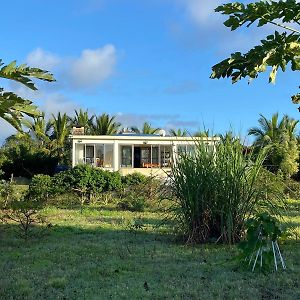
<point x="143" y="137"/>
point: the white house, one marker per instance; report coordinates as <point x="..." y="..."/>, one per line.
<point x="148" y="154"/>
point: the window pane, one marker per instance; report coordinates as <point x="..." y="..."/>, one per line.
<point x="145" y="156"/>
<point x="181" y="149"/>
<point x="108" y="155"/>
<point x="166" y="156"/>
<point x="155" y="156"/>
<point x="126" y="160"/>
<point x="99" y="155"/>
<point x="79" y="154"/>
<point x="89" y="154"/>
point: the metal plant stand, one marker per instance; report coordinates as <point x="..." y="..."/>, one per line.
<point x="277" y="256"/>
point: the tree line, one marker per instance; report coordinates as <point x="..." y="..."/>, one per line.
<point x="42" y="144"/>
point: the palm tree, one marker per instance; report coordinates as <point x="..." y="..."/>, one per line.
<point x="178" y="132"/>
<point x="105" y="125"/>
<point x="204" y="133"/>
<point x="274" y="130"/>
<point x="60" y="127"/>
<point x="82" y="119"/>
<point x="147" y="129"/>
<point x="279" y="136"/>
<point x="228" y="136"/>
<point x="39" y="129"/>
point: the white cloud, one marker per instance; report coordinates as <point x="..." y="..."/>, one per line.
<point x="202" y="11"/>
<point x="86" y="71"/>
<point x="42" y="59"/>
<point x="208" y="30"/>
<point x="93" y="66"/>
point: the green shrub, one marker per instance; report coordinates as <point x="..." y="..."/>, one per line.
<point x="261" y="230"/>
<point x="134" y="179"/>
<point x="87" y="182"/>
<point x="133" y="203"/>
<point x="6" y="192"/>
<point x="41" y="186"/>
<point x="138" y="197"/>
<point x="215" y="191"/>
<point x="113" y="181"/>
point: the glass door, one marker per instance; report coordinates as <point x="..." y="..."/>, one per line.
<point x="90" y="154"/>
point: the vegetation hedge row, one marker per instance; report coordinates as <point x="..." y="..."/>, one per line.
<point x="87" y="182"/>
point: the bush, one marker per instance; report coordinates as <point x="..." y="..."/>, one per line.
<point x="134" y="179"/>
<point x="41" y="186"/>
<point x="6" y="192"/>
<point x="113" y="181"/>
<point x="133" y="203"/>
<point x="217" y="190"/>
<point x="140" y="196"/>
<point x="87" y="181"/>
<point x="24" y="211"/>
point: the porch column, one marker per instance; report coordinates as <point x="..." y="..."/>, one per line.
<point x="116" y="156"/>
<point x="73" y="153"/>
<point x="174" y="154"/>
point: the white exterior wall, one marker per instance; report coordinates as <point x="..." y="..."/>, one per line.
<point x="120" y="140"/>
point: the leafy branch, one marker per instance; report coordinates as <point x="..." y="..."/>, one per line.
<point x="275" y="51"/>
<point x="13" y="107"/>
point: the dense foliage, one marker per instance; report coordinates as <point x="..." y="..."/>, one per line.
<point x="279" y="136"/>
<point x="216" y="191"/>
<point x="21" y="156"/>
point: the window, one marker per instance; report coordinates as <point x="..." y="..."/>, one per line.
<point x="181" y="149"/>
<point x="145" y="156"/>
<point x="155" y="155"/>
<point x="186" y="149"/>
<point x="99" y="155"/>
<point x="108" y="155"/>
<point x="166" y="156"/>
<point x="79" y="154"/>
<point x="89" y="154"/>
<point x="126" y="157"/>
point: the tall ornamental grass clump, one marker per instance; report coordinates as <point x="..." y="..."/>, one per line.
<point x="217" y="190"/>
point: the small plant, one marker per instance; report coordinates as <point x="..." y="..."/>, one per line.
<point x="260" y="245"/>
<point x="25" y="212"/>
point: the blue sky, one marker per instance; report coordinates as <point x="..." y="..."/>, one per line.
<point x="142" y="60"/>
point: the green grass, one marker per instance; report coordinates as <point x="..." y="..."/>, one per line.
<point x="101" y="254"/>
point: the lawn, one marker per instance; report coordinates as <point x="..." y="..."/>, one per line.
<point x="103" y="253"/>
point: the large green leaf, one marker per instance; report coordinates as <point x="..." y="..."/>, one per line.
<point x="13" y="107"/>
